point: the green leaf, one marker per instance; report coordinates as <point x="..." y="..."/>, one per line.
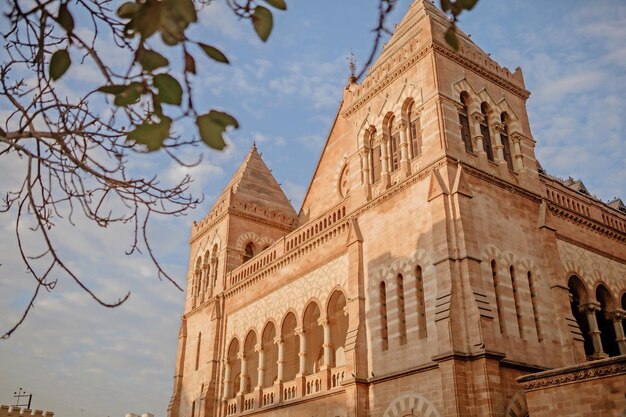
<point x="151" y="60"/>
<point x="170" y="91"/>
<point x="112" y="89"/>
<point x="147" y="20"/>
<point x="279" y="4"/>
<point x="212" y="125"/>
<point x="129" y="95"/>
<point x="185" y="9"/>
<point x="451" y="38"/>
<point x="59" y="63"/>
<point x="262" y="21"/>
<point x="213" y="53"/>
<point x="190" y="63"/>
<point x="128" y="10"/>
<point x="173" y="29"/>
<point x="65" y="18"/>
<point x="151" y="134"/>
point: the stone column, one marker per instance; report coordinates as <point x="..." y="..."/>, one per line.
<point x="384" y="158"/>
<point x="261" y="375"/>
<point x="227" y="380"/>
<point x="477" y="136"/>
<point x="328" y="361"/>
<point x="616" y="317"/>
<point x="281" y="359"/>
<point x="517" y="149"/>
<point x="244" y="373"/>
<point x="498" y="127"/>
<point x="367" y="181"/>
<point x="589" y="310"/>
<point x="404" y="149"/>
<point x="299" y="331"/>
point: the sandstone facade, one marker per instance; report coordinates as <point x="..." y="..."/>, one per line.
<point x="433" y="263"/>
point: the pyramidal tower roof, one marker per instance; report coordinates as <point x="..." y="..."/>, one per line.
<point x="253" y="182"/>
<point x="409" y="28"/>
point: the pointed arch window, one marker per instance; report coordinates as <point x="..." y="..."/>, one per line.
<point x="464" y="122"/>
<point x="578" y="296"/>
<point x="497" y="286"/>
<point x="504" y="138"/>
<point x="394" y="143"/>
<point x="415" y="127"/>
<point x="421" y="306"/>
<point x="401" y="309"/>
<point x="484" y="131"/>
<point x="384" y="335"/>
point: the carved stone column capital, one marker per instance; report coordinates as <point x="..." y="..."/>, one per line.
<point x="401" y="125"/>
<point x="324" y="322"/>
<point x="278" y="340"/>
<point x="241" y="356"/>
<point x="258" y="347"/>
<point x="477" y="117"/>
<point x="298" y="331"/>
<point x="615" y="315"/>
<point x="498" y="127"/>
<point x="590" y="307"/>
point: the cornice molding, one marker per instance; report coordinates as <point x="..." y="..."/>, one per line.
<point x="479" y="69"/>
<point x="573" y="374"/>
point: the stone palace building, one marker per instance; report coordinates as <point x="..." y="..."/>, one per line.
<point x="434" y="269"/>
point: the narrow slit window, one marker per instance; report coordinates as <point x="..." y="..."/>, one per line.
<point x="484" y="131"/>
<point x="383" y="316"/>
<point x="401" y="309"/>
<point x="464" y="122"/>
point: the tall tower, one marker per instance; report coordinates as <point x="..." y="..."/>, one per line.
<point x="432" y="267"/>
<point x="251" y="214"/>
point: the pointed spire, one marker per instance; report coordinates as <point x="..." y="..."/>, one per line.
<point x="253" y="182"/>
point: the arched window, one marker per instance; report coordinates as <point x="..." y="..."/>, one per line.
<point x="215" y="262"/>
<point x="206" y="271"/>
<point x="466" y="135"/>
<point x="497" y="286"/>
<point x="578" y="296"/>
<point x="270" y="356"/>
<point x="517" y="301"/>
<point x="533" y="298"/>
<point x="197" y="277"/>
<point x="605" y="324"/>
<point x="314" y="336"/>
<point x="394" y="143"/>
<point x="198" y="347"/>
<point x="291" y="348"/>
<point x="375" y="155"/>
<point x="251" y="356"/>
<point x="504" y="138"/>
<point x="338" y="327"/>
<point x="248" y="251"/>
<point x="421" y="307"/>
<point x="484" y="131"/>
<point x="415" y="140"/>
<point x="232" y="377"/>
<point x="384" y="334"/>
<point x="401" y="310"/>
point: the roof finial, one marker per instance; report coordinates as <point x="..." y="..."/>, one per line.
<point x="352" y="65"/>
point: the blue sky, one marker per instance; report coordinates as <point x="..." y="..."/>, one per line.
<point x="80" y="359"/>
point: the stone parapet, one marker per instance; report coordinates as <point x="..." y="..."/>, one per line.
<point x="589" y="389"/>
<point x="9" y="411"/>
